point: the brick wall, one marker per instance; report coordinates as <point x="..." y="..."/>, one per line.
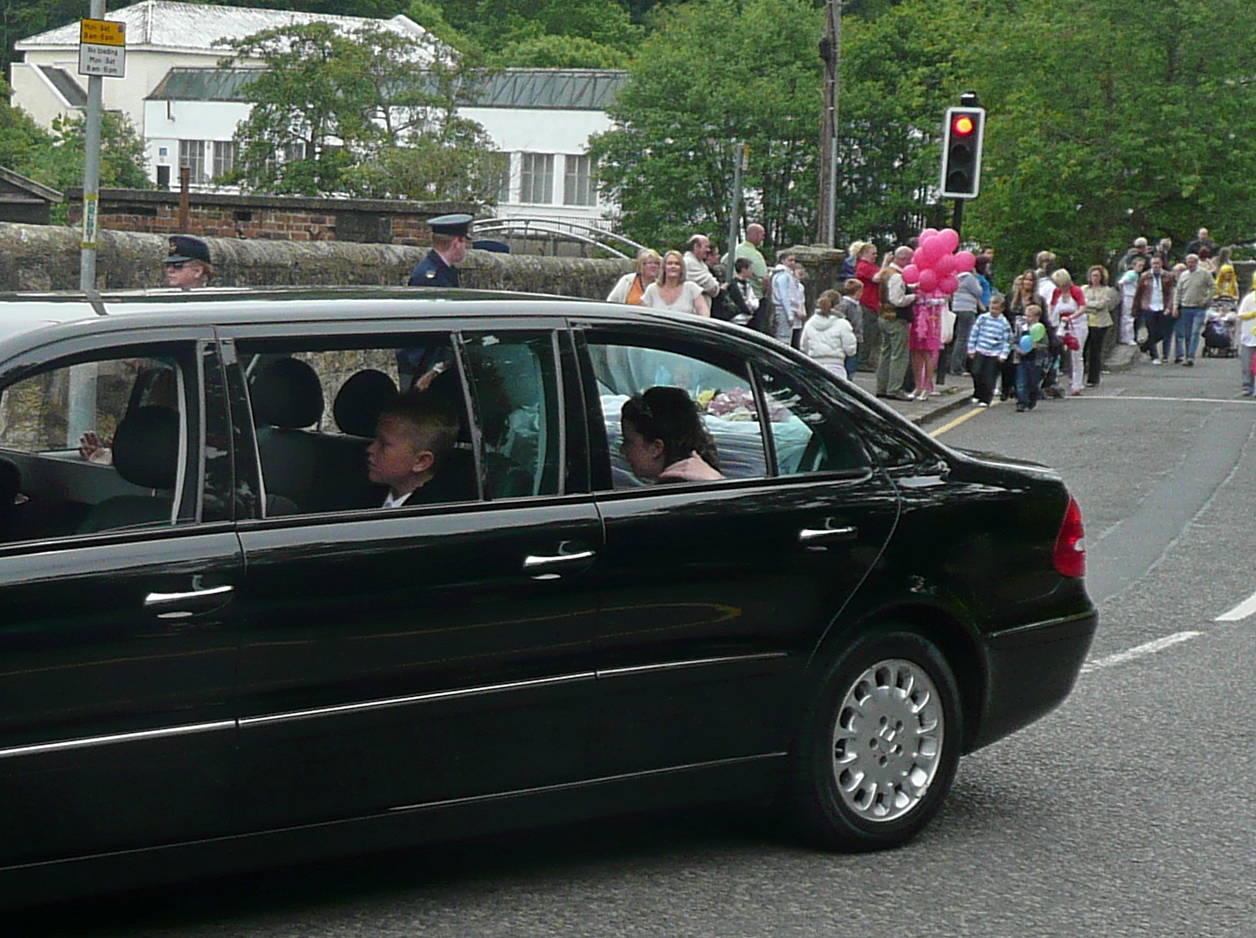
<point x="275" y="218"/>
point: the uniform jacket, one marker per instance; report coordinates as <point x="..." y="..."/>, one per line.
<point x="432" y="271"/>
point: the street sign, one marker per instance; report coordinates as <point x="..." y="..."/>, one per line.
<point x="102" y="48"/>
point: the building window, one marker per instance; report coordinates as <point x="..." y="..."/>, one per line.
<point x="578" y="181"/>
<point x="192" y="155"/>
<point x="294" y="152"/>
<point x="224" y="157"/>
<point x="536" y="178"/>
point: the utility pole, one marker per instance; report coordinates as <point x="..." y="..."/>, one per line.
<point x="739" y="165"/>
<point x="831" y="54"/>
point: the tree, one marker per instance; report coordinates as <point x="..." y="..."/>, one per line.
<point x="1143" y="134"/>
<point x="516" y="32"/>
<point x="369" y="113"/>
<point x="695" y="89"/>
<point x="550" y="51"/>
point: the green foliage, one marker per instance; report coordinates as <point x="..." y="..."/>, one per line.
<point x="1104" y="126"/>
<point x="560" y="52"/>
<point x="55" y="158"/>
<point x="356" y="114"/>
<point x="496" y="25"/>
<point x="696" y="88"/>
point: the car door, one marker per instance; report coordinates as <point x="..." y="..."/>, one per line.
<point x="398" y="658"/>
<point x="717" y="592"/>
<point x="118" y="642"/>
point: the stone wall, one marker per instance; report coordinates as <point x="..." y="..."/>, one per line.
<point x="46" y="257"/>
<point x="271" y="217"/>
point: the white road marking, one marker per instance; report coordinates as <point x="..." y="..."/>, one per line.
<point x="1139" y="651"/>
<point x="1239" y="612"/>
<point x="1118" y="396"/>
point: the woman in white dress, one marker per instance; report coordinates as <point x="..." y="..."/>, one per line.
<point x="673" y="292"/>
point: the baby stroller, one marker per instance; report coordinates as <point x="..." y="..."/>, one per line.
<point x="1220" y="326"/>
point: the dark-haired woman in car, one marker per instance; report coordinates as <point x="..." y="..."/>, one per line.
<point x="664" y="439"/>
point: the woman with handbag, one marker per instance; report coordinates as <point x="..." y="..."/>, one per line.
<point x="1066" y="315"/>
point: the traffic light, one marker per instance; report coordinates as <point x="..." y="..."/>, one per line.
<point x="961" y="152"/>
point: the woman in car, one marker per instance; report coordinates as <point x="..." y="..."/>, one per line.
<point x="664" y="439"/>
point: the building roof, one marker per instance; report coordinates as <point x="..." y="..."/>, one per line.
<point x="551" y="89"/>
<point x="193" y="26"/>
<point x="16" y="187"/>
<point x="66" y="86"/>
<point x="548" y="89"/>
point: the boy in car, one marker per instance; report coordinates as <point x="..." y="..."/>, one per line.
<point x="413" y="437"/>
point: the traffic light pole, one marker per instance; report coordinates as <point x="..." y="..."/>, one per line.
<point x="957" y="217"/>
<point x="91" y="173"/>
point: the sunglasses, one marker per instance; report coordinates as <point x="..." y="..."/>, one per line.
<point x="176" y="265"/>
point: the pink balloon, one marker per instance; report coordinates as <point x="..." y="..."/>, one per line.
<point x="928" y="280"/>
<point x="945" y="265"/>
<point x="911" y="273"/>
<point x="964" y="261"/>
<point x="927" y="234"/>
<point x="948" y="284"/>
<point x="949" y="238"/>
<point x="928" y="253"/>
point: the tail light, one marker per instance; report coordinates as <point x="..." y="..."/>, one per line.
<point x="1069" y="555"/>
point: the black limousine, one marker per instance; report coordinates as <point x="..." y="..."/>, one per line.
<point x="219" y="648"/>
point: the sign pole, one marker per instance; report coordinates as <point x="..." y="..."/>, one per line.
<point x="91" y="173"/>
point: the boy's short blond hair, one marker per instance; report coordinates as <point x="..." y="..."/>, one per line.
<point x="427" y="419"/>
<point x="852" y="286"/>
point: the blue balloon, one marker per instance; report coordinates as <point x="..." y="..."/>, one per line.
<point x="1026" y="344"/>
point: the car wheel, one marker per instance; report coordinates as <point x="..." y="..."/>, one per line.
<point x="880" y="743"/>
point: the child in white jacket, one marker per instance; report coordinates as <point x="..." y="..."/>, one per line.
<point x="828" y="337"/>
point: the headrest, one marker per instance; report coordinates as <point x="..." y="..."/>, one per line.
<point x="287" y="393"/>
<point x="360" y="400"/>
<point x="146" y="447"/>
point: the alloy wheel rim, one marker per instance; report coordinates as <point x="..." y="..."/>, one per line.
<point x="888" y="740"/>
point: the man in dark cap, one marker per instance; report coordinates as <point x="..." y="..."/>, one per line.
<point x="187" y="264"/>
<point x="451" y="236"/>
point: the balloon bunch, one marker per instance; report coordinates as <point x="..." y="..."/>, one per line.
<point x="936" y="263"/>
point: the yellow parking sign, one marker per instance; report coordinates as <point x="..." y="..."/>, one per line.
<point x="102" y="33"/>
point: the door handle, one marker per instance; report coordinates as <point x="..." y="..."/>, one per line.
<point x="815" y="537"/>
<point x="545" y="567"/>
<point x="181" y="605"/>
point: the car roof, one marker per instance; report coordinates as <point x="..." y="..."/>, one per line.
<point x="65" y="313"/>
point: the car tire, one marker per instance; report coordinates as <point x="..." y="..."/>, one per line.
<point x="879" y="744"/>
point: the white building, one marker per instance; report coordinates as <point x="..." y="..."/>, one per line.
<point x="540" y="119"/>
<point x="159" y="36"/>
<point x="186" y="108"/>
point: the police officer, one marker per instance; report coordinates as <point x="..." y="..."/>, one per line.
<point x="187" y="264"/>
<point x="451" y="236"/>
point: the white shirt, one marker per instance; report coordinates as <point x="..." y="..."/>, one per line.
<point x="684" y="302"/>
<point x="395" y="501"/>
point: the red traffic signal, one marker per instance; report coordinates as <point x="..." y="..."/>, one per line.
<point x="961" y="152"/>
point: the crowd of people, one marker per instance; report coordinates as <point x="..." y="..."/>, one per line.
<point x="1046" y="336"/>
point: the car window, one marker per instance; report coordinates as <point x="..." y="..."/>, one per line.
<point x="514" y="389"/>
<point x="316" y="406"/>
<point x="807" y="435"/>
<point x="99" y="444"/>
<point x="722" y="397"/>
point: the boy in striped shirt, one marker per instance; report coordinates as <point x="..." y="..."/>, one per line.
<point x="989" y="344"/>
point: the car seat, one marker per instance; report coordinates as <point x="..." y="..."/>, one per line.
<point x="287" y="398"/>
<point x="145" y="453"/>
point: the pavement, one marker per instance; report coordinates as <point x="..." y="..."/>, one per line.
<point x="958" y="391"/>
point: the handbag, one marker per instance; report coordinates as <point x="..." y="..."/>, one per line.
<point x="948" y="325"/>
<point x="1070" y="340"/>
